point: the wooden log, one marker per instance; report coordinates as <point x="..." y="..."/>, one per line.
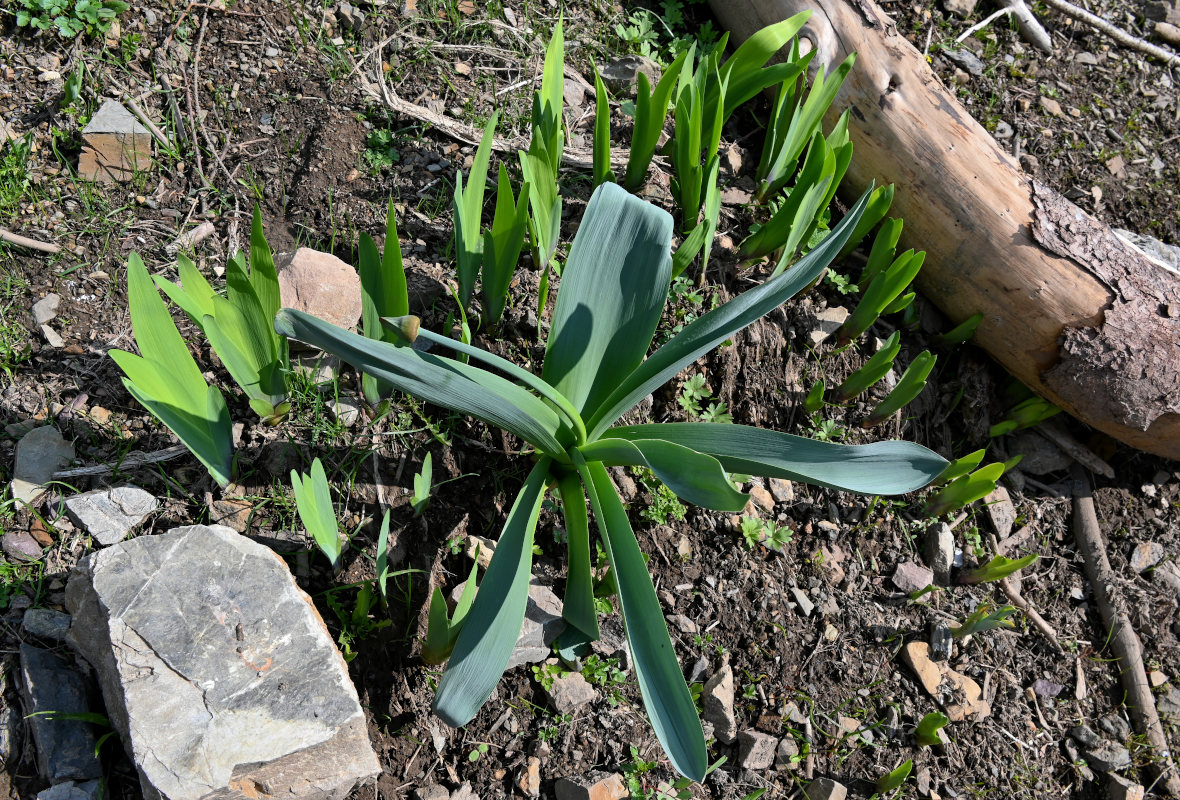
<point x="1071" y="310"/>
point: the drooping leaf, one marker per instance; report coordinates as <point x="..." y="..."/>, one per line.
<point x="665" y="694"/>
<point x="693" y="476"/>
<point x="493" y="624"/>
<point x="879" y="468"/>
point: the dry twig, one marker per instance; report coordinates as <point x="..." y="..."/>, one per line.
<point x="1123" y="640"/>
<point x="1118" y="34"/>
<point x="1015" y="598"/>
<point x="132" y="461"/>
<point x="27" y="243"/>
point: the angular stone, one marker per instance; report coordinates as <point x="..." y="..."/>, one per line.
<point x="1119" y="788"/>
<point x="827" y="322"/>
<point x="345" y="412"/>
<point x="432" y="792"/>
<point x="960" y="8"/>
<point x="529" y="782"/>
<point x="940" y="552"/>
<point x="783" y="490"/>
<point x="20" y="546"/>
<point x="1146" y="555"/>
<point x="1107" y="757"/>
<point x="87" y="790"/>
<point x="1000" y="511"/>
<point x="39" y="454"/>
<point x="65" y="748"/>
<point x="52" y="337"/>
<point x="542" y="625"/>
<point x="1040" y="455"/>
<point x="217" y="670"/>
<point x="45" y="623"/>
<point x="116" y="145"/>
<point x="571" y="691"/>
<point x="594" y="785"/>
<point x="232" y="513"/>
<point x="322" y="285"/>
<point x="825" y="789"/>
<point x="717" y="704"/>
<point x="912" y="577"/>
<point x="1051" y="106"/>
<point x="465" y="792"/>
<point x="45" y="309"/>
<point x="756" y="749"/>
<point x="786" y="755"/>
<point x="109" y="515"/>
<point x="802" y="601"/>
<point x="762" y="498"/>
<point x="621" y="74"/>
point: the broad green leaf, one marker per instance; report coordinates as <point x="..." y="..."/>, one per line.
<point x="880" y="468"/>
<point x="713" y="328"/>
<point x="493" y="624"/>
<point x="693" y="476"/>
<point x="438" y="644"/>
<point x="892" y="780"/>
<point x="313" y="501"/>
<point x="383" y="555"/>
<point x="928" y="734"/>
<point x="196" y="297"/>
<point x="602" y="166"/>
<point x="613" y="291"/>
<point x="263" y="277"/>
<point x="151" y="324"/>
<point x="437" y="380"/>
<point x="665" y="694"/>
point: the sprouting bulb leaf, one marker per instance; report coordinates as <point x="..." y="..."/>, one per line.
<point x="964" y="490"/>
<point x="997" y="569"/>
<point x="422" y="481"/>
<point x="892" y="780"/>
<point x="984" y="619"/>
<point x="313" y="501"/>
<point x="928" y="734"/>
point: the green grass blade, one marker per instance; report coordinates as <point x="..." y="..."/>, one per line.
<point x="493" y="624"/>
<point x="613" y="291"/>
<point x="437" y="380"/>
<point x="693" y="476"/>
<point x="602" y="166"/>
<point x="665" y="694"/>
<point x="880" y="468"/>
<point x="710" y="330"/>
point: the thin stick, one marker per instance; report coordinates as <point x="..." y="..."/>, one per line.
<point x="1016" y="599"/>
<point x="190" y="239"/>
<point x="988" y="20"/>
<point x="1123" y="641"/>
<point x="1030" y="29"/>
<point x="1118" y="34"/>
<point x="133" y="461"/>
<point x="27" y="243"/>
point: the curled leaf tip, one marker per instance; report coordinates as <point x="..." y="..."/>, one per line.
<point x="405" y="327"/>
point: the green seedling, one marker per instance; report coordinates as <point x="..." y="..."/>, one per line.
<point x="501" y="247"/>
<point x="879" y="203"/>
<point x="596" y="369"/>
<point x="788" y="225"/>
<point x="383" y="574"/>
<point x="383" y="294"/>
<point x="539" y="165"/>
<point x="651" y="108"/>
<point x="984" y="619"/>
<point x="961" y="332"/>
<point x="883" y="249"/>
<point x="908" y="387"/>
<point x="313" y="500"/>
<point x="468" y="211"/>
<point x="928" y="732"/>
<point x="693" y="393"/>
<point x="422" y="482"/>
<point x="815" y="398"/>
<point x="893" y="780"/>
<point x="442" y="631"/>
<point x="697" y="134"/>
<point x="961" y="466"/>
<point x="700" y="240"/>
<point x="997" y="569"/>
<point x="167" y="381"/>
<point x="793" y="125"/>
<point x="964" y="490"/>
<point x="873" y="370"/>
<point x="883" y="290"/>
<point x="1025" y="414"/>
<point x="752" y="530"/>
<point x="239" y="325"/>
<point x="602" y="166"/>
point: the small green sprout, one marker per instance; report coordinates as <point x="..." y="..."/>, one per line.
<point x="961" y="332"/>
<point x="908" y="387"/>
<point x="1026" y="414"/>
<point x="602" y="165"/>
<point x="964" y="490"/>
<point x="422" y="482"/>
<point x="883" y="291"/>
<point x="313" y="501"/>
<point x="876" y="368"/>
<point x="893" y="780"/>
<point x="928" y="733"/>
<point x="997" y="569"/>
<point x="984" y="619"/>
<point x="442" y="631"/>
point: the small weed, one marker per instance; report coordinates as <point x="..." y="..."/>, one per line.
<point x="605" y="673"/>
<point x="545" y="674"/>
<point x="665" y="505"/>
<point x="480" y="750"/>
<point x="379" y="151"/>
<point x="70" y="17"/>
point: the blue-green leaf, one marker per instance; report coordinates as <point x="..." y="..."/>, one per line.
<point x="693" y="476"/>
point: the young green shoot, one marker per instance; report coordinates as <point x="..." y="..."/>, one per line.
<point x="422" y="482"/>
<point x="879" y="203"/>
<point x="166" y="380"/>
<point x="960" y="333"/>
<point x="985" y="619"/>
<point x="602" y="166"/>
<point x="908" y="387"/>
<point x="468" y="210"/>
<point x="442" y="630"/>
<point x="997" y="569"/>
<point x="383" y="294"/>
<point x="651" y="109"/>
<point x="313" y="500"/>
<point x="873" y="370"/>
<point x="964" y="490"/>
<point x="883" y="289"/>
<point x="1026" y="414"/>
<point x="928" y="733"/>
<point x="892" y="781"/>
<point x="502" y="244"/>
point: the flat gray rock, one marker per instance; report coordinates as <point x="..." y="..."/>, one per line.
<point x="217" y="670"/>
<point x="45" y="623"/>
<point x="109" y="515"/>
<point x="65" y="748"/>
<point x="112" y="117"/>
<point x="45" y="309"/>
<point x="86" y="790"/>
<point x="39" y="453"/>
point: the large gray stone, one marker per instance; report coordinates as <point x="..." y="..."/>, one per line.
<point x="109" y="514"/>
<point x="65" y="748"/>
<point x="217" y="670"/>
<point x="39" y="453"/>
<point x="543" y="623"/>
<point x="87" y="790"/>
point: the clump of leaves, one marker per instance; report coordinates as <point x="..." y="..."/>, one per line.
<point x="908" y="387"/>
<point x="997" y="569"/>
<point x="313" y="500"/>
<point x="985" y="619"/>
<point x="70" y="17"/>
<point x="613" y="291"/>
<point x="442" y="630"/>
<point x="383" y="294"/>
